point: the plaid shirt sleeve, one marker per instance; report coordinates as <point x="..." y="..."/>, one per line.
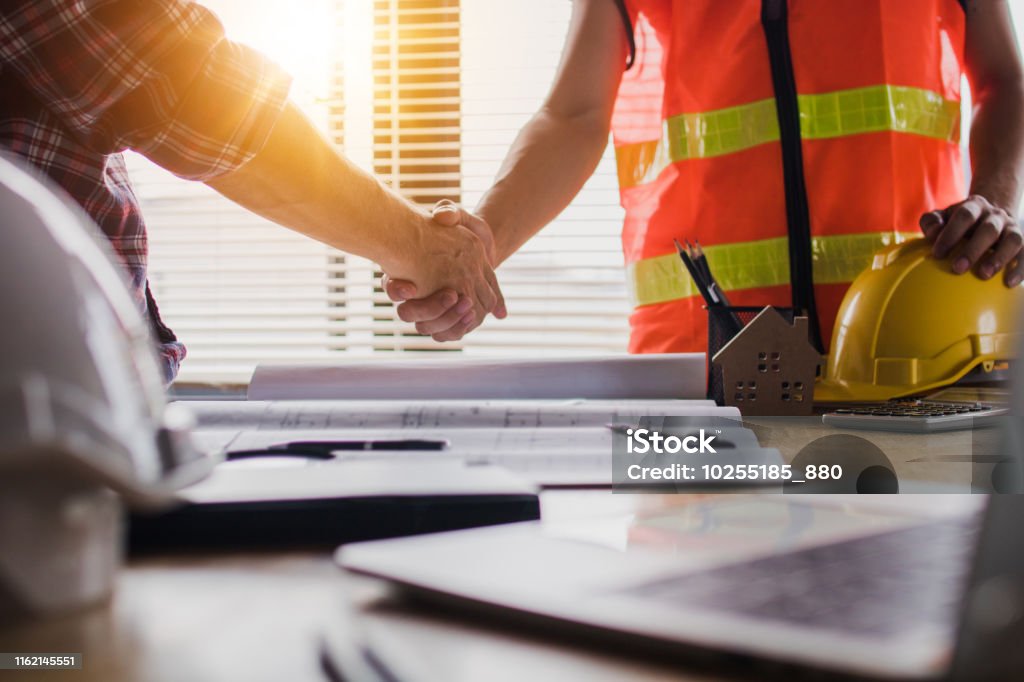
<point x="155" y="76"/>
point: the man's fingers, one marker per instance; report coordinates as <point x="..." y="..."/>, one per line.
<point x="447" y="214"/>
<point x="450" y="214"/>
<point x="486" y="298"/>
<point x="449" y="319"/>
<point x="481" y="286"/>
<point x="483" y="232"/>
<point x="1015" y="273"/>
<point x="461" y="328"/>
<point x="989" y="238"/>
<point x="429" y="308"/>
<point x="1007" y="249"/>
<point x="931" y="222"/>
<point x="960" y="220"/>
<point x="985" y="235"/>
<point x="398" y="290"/>
<point x="499" y="310"/>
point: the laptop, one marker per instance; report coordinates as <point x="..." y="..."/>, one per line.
<point x="891" y="587"/>
<point x="885" y="587"/>
<point x="926" y="598"/>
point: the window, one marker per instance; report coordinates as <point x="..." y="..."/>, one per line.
<point x="417" y="141"/>
<point x="428" y="94"/>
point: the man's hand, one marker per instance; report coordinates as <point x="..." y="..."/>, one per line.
<point x="991" y="238"/>
<point x="444" y="314"/>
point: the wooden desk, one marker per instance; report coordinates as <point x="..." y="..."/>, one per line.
<point x="253" y="617"/>
<point x="196" y="619"/>
<point x="206" y="618"/>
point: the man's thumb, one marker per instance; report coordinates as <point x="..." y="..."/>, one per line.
<point x="446" y="215"/>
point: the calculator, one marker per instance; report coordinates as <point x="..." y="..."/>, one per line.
<point x="921" y="415"/>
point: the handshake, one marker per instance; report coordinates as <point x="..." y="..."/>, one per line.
<point x="446" y="283"/>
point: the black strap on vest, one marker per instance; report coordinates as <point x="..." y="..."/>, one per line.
<point x="774" y="17"/>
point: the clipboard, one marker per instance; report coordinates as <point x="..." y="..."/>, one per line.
<point x="241" y="506"/>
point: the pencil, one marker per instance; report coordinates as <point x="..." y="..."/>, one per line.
<point x="715" y="291"/>
<point x="702" y="261"/>
<point x="697" y="275"/>
<point x="696" y="257"/>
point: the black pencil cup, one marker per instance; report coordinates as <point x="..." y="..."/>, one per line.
<point x="721" y="330"/>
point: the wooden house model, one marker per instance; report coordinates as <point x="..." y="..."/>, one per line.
<point x="769" y="367"/>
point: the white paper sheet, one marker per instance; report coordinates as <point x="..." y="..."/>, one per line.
<point x="551" y="456"/>
<point x="214" y="441"/>
<point x="355" y="479"/>
<point x="543" y="456"/>
<point x="549" y="442"/>
<point x="398" y="414"/>
<point x="658" y="376"/>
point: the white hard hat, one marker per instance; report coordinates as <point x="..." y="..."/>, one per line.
<point x="83" y="420"/>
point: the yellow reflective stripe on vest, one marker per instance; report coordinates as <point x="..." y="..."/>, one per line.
<point x="698" y="136"/>
<point x="833" y="114"/>
<point x="753" y="265"/>
<point x="879" y="108"/>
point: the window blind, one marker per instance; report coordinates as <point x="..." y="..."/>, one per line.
<point x="428" y="94"/>
<point x="565" y="288"/>
<point x="416" y="127"/>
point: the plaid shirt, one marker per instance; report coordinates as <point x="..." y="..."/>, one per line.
<point x="83" y="80"/>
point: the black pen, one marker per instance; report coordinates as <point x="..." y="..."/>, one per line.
<point x="402" y="444"/>
<point x="325" y="449"/>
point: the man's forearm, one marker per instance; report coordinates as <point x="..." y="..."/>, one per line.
<point x="997" y="145"/>
<point x="300" y="181"/>
<point x="547" y="165"/>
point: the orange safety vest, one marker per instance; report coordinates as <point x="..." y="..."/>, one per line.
<point x="791" y="139"/>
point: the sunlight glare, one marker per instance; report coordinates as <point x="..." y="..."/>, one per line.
<point x="298" y="36"/>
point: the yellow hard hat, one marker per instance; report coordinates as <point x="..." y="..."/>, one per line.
<point x="908" y="324"/>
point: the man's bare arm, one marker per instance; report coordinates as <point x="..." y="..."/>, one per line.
<point x="552" y="157"/>
<point x="558" y="150"/>
<point x="299" y="180"/>
<point x="984" y="222"/>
